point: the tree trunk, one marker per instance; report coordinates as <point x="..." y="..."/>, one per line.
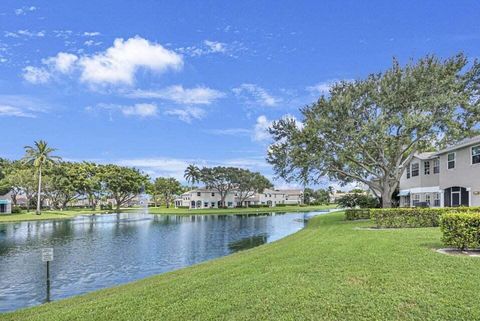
<point x="117" y="206"/>
<point x="39" y="190"/>
<point x="386" y="198"/>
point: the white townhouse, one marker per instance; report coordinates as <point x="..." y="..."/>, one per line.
<point x="447" y="178"/>
<point x="206" y="198"/>
<point x="5" y="204"/>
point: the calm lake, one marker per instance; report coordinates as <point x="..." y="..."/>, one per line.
<point x="95" y="252"/>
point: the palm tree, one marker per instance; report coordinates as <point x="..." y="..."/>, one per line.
<point x="192" y="174"/>
<point x="39" y="156"/>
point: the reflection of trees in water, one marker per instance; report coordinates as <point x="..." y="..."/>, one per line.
<point x="247" y="243"/>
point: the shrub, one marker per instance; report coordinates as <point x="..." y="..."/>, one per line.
<point x="107" y="207"/>
<point x="361" y="200"/>
<point x="461" y="230"/>
<point x="357" y="214"/>
<point x="258" y="205"/>
<point x="183" y="207"/>
<point x="16" y="210"/>
<point x="281" y="205"/>
<point x="408" y="217"/>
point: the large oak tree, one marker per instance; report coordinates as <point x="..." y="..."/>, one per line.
<point x="368" y="130"/>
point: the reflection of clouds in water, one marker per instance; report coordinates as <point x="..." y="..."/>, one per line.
<point x="98" y="251"/>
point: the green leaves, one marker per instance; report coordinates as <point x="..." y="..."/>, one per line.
<point x="366" y="130"/>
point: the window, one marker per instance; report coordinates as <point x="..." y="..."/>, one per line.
<point x="427" y="199"/>
<point x="213" y="194"/>
<point x="408" y="171"/>
<point x="436" y="166"/>
<point x="426" y="168"/>
<point x="199" y="194"/>
<point x="476" y="154"/>
<point x="230" y="204"/>
<point x="451" y="161"/>
<point x="416" y="199"/>
<point x="213" y="204"/>
<point x="205" y="204"/>
<point x="415" y="169"/>
<point x="436" y="199"/>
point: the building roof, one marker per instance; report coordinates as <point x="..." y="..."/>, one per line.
<point x="425" y="156"/>
<point x="464" y="143"/>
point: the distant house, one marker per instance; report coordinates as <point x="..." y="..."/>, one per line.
<point x="5" y="204"/>
<point x="449" y="177"/>
<point x="207" y="198"/>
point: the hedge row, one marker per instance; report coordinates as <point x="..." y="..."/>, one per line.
<point x="461" y="230"/>
<point x="357" y="214"/>
<point x="413" y="217"/>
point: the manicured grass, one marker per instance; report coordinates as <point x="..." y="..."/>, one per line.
<point x="329" y="271"/>
<point x="186" y="211"/>
<point x="46" y="215"/>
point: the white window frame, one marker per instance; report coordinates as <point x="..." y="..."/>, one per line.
<point x="418" y="170"/>
<point x="472" y="155"/>
<point x="416" y="199"/>
<point x="436" y="197"/>
<point x="454" y="160"/>
<point x="409" y="172"/>
<point x="428" y="199"/>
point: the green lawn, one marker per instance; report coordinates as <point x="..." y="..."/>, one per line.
<point x="328" y="271"/>
<point x="185" y="211"/>
<point x="46" y="215"/>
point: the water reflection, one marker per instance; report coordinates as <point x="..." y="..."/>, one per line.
<point x="98" y="251"/>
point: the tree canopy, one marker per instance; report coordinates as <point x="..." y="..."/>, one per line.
<point x="368" y="130"/>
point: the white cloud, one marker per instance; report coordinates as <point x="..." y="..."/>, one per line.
<point x="24" y="10"/>
<point x="115" y="66"/>
<point x="141" y="110"/>
<point x="118" y="64"/>
<point x="195" y="96"/>
<point x="230" y="132"/>
<point x="91" y="34"/>
<point x="63" y="62"/>
<point x="260" y="130"/>
<point x="254" y="94"/>
<point x="187" y="114"/>
<point x="36" y="75"/>
<point x="136" y="110"/>
<point x="24" y="33"/>
<point x="323" y="88"/>
<point x="7" y="110"/>
<point x="215" y="46"/>
<point x="90" y="43"/>
<point x="20" y="106"/>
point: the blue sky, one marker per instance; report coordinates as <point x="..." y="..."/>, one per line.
<point x="158" y="85"/>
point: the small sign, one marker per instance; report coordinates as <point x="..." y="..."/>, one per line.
<point x="47" y="254"/>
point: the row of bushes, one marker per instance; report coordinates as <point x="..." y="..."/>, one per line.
<point x="413" y="217"/>
<point x="357" y="214"/>
<point x="461" y="230"/>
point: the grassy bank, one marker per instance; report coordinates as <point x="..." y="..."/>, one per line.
<point x="328" y="271"/>
<point x="46" y="215"/>
<point x="58" y="215"/>
<point x="186" y="211"/>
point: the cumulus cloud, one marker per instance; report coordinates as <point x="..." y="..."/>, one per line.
<point x="254" y="94"/>
<point x="63" y="62"/>
<point x="118" y="64"/>
<point x="195" y="96"/>
<point x="187" y="114"/>
<point x="260" y="130"/>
